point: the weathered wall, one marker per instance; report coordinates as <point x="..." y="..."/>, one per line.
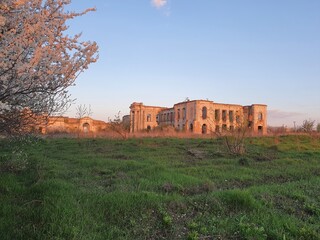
<point x="73" y="125"/>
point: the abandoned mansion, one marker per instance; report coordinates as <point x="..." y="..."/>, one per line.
<point x="199" y="116"/>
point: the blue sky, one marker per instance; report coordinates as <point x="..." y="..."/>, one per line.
<point x="228" y="51"/>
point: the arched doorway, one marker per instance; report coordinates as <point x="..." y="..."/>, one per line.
<point x="204" y="129"/>
<point x="86" y="127"/>
<point x="191" y="127"/>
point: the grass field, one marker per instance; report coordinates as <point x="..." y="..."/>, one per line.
<point x="160" y="188"/>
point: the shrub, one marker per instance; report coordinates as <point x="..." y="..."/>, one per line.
<point x="194" y="235"/>
<point x="239" y="200"/>
<point x="243" y="161"/>
<point x="307" y="126"/>
<point x="251" y="230"/>
<point x="17" y="159"/>
<point x="15" y="162"/>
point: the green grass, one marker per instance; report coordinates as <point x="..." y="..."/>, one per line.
<point x="160" y="189"/>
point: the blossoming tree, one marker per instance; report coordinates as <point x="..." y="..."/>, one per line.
<point x="39" y="61"/>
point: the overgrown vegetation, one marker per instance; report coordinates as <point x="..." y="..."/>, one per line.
<point x="119" y="127"/>
<point x="160" y="189"/>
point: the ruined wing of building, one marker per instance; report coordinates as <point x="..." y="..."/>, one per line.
<point x="199" y="116"/>
<point x="62" y="124"/>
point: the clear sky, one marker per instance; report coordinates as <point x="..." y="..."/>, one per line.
<point x="228" y="51"/>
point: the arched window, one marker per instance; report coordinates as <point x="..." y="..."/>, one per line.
<point x="204" y="112"/>
<point x="260" y="116"/>
<point x="224" y="127"/>
<point x="149" y="118"/>
<point x="204" y="129"/>
<point x="191" y="127"/>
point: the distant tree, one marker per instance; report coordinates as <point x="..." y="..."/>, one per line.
<point x="318" y="127"/>
<point x="307" y="126"/>
<point x="38" y="60"/>
<point x="83" y="111"/>
<point x="118" y="126"/>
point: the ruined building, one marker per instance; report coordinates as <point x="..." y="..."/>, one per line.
<point x="72" y="125"/>
<point x="199" y="116"/>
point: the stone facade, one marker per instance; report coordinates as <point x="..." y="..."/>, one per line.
<point x="143" y="117"/>
<point x="199" y="116"/>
